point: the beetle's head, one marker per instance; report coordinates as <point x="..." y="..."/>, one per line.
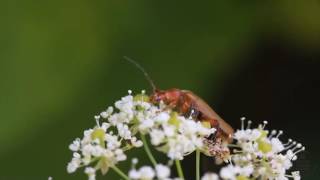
<point x="157" y="96"/>
<point x="166" y="96"/>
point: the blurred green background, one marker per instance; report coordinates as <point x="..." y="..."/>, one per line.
<point x="61" y="63"/>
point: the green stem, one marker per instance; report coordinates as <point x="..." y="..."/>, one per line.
<point x="120" y="173"/>
<point x="148" y="151"/>
<point x="233" y="145"/>
<point x="179" y="169"/>
<point x="197" y="165"/>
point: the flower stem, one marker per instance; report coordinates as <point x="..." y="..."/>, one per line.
<point x="179" y="169"/>
<point x="120" y="173"/>
<point x="233" y="145"/>
<point x="148" y="151"/>
<point x="197" y="165"/>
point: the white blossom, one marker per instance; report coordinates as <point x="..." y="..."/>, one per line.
<point x="75" y="146"/>
<point x="144" y="173"/>
<point x="232" y="172"/>
<point x="296" y="175"/>
<point x="159" y="172"/>
<point x="157" y="136"/>
<point x="210" y="176"/>
<point x="162" y="171"/>
<point x="91" y="172"/>
<point x="261" y="155"/>
<point x="135" y="142"/>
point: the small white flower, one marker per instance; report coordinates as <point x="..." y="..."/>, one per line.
<point x="86" y="159"/>
<point x="72" y="166"/>
<point x="144" y="173"/>
<point x="229" y="172"/>
<point x="146" y="125"/>
<point x="91" y="172"/>
<point x="120" y="156"/>
<point x="135" y="161"/>
<point x="93" y="150"/>
<point x="125" y="104"/>
<point x="210" y="176"/>
<point x="104" y="114"/>
<point x="162" y="171"/>
<point x="277" y="145"/>
<point x="123" y="131"/>
<point x="135" y="142"/>
<point x="247" y="135"/>
<point x="246" y="170"/>
<point x="75" y="146"/>
<point x="75" y="163"/>
<point x="110" y="110"/>
<point x="290" y="154"/>
<point x="169" y="131"/>
<point x="296" y="175"/>
<point x="112" y="142"/>
<point x="134" y="174"/>
<point x="105" y="126"/>
<point x="162" y="117"/>
<point x="157" y="136"/>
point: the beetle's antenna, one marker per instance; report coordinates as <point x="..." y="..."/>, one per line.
<point x="142" y="70"/>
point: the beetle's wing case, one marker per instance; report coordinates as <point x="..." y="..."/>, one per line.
<point x="208" y="112"/>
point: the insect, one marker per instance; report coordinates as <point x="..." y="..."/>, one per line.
<point x="188" y="103"/>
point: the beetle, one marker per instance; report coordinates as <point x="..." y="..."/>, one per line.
<point x="188" y="103"/>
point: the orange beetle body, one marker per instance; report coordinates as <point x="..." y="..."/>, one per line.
<point x="184" y="101"/>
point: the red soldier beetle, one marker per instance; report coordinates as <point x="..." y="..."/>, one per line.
<point x="184" y="102"/>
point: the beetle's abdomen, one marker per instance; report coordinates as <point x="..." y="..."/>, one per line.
<point x="207" y="113"/>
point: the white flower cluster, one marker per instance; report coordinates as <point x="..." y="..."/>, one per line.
<point x="98" y="145"/>
<point x="257" y="153"/>
<point x="261" y="155"/>
<point x="178" y="136"/>
<point x="210" y="176"/>
<point x="105" y="144"/>
<point x="159" y="172"/>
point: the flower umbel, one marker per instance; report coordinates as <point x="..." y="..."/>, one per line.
<point x="159" y="172"/>
<point x="117" y="130"/>
<point x="256" y="153"/>
<point x="260" y="154"/>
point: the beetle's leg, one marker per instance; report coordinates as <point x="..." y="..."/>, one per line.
<point x="171" y="105"/>
<point x="213" y="136"/>
<point x="219" y="133"/>
<point x="168" y="107"/>
<point x="214" y="124"/>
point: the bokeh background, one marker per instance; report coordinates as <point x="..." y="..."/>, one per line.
<point x="61" y="63"/>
